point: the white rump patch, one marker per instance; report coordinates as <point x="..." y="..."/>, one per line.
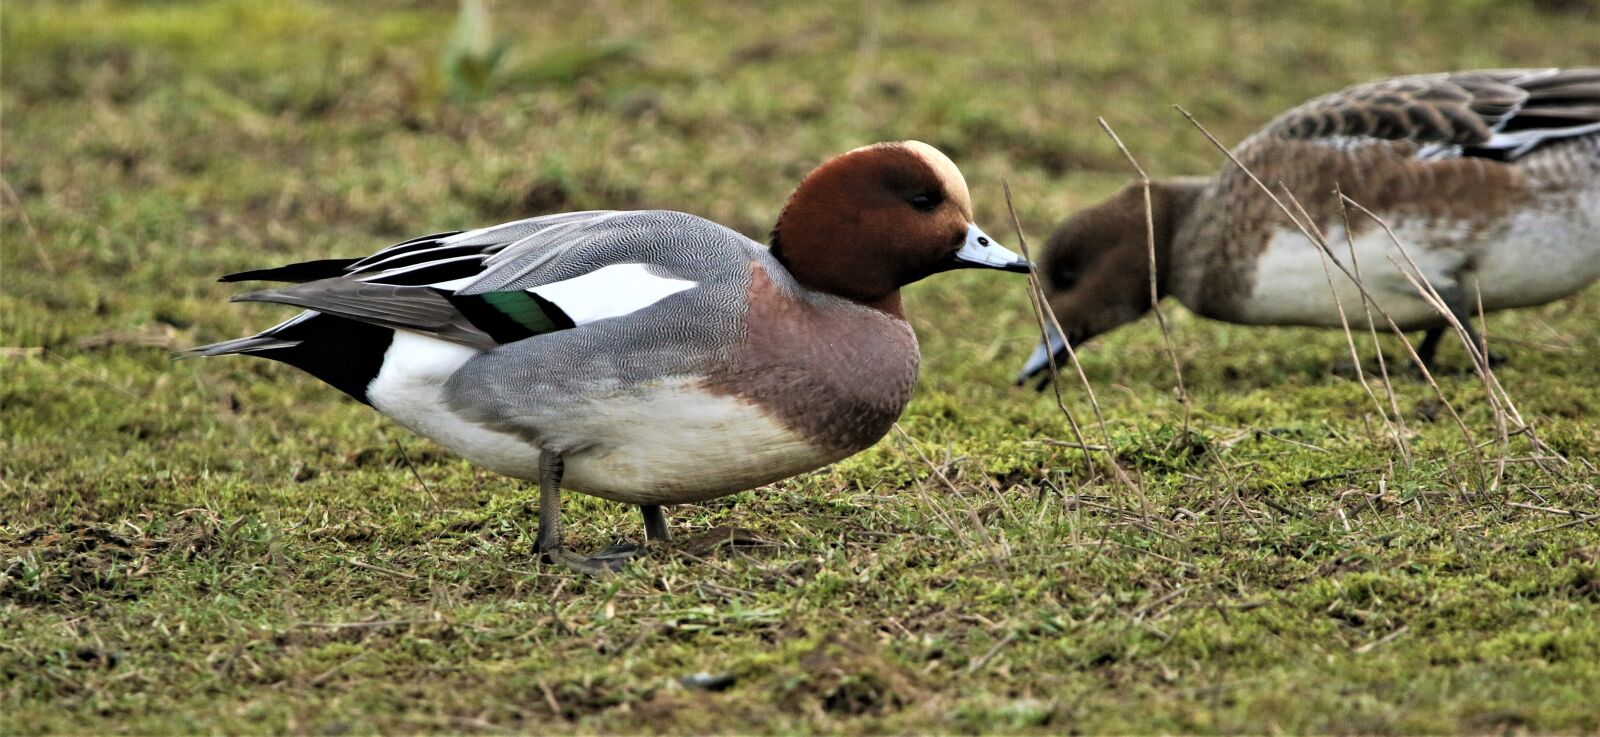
<point x="409" y="388"/>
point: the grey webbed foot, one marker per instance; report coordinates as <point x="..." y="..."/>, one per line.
<point x="1394" y="368"/>
<point x="602" y="563"/>
<point x="610" y="559"/>
<point x="620" y="550"/>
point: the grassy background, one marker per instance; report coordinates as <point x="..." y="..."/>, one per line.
<point x="229" y="546"/>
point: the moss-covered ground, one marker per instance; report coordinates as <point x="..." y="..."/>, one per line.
<point x="229" y="546"/>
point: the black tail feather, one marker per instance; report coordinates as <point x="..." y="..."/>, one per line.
<point x="298" y="273"/>
<point x="252" y="344"/>
<point x="343" y="353"/>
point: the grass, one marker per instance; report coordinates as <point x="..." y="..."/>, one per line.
<point x="228" y="546"/>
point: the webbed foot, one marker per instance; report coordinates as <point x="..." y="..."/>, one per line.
<point x="611" y="559"/>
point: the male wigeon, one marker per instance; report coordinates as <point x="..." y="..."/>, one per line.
<point x="1490" y="179"/>
<point x="647" y="357"/>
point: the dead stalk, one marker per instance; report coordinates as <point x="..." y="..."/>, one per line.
<point x="1155" y="291"/>
<point x="1399" y="426"/>
<point x="1042" y="312"/>
<point x="1344" y="324"/>
<point x="1499" y="399"/>
<point x="972" y="516"/>
<point x="1040" y="309"/>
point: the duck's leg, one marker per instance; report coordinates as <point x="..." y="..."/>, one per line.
<point x="1429" y="347"/>
<point x="1456" y="300"/>
<point x="549" y="537"/>
<point x="655" y="523"/>
<point x="655" y="531"/>
<point x="1493" y="358"/>
<point x="548" y="541"/>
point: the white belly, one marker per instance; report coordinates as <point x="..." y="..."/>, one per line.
<point x="672" y="441"/>
<point x="1292" y="288"/>
<point x="666" y="442"/>
<point x="1541" y="256"/>
<point x="1531" y="258"/>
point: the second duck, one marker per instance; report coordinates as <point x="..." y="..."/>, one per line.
<point x="1491" y="179"/>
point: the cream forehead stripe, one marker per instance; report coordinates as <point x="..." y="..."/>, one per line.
<point x="954" y="184"/>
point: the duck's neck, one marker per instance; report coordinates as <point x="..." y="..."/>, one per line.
<point x="889" y="305"/>
<point x="821" y="265"/>
<point x="1172" y="204"/>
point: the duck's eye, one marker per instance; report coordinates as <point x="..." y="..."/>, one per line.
<point x="1065" y="280"/>
<point x="926" y="202"/>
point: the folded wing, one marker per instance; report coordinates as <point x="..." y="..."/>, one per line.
<point x="510" y="282"/>
<point x="1496" y="114"/>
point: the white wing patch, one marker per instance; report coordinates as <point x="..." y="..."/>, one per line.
<point x="614" y="290"/>
<point x="609" y="291"/>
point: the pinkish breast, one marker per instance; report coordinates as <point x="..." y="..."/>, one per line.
<point x="837" y="372"/>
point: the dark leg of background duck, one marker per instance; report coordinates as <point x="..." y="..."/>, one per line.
<point x="1429" y="346"/>
<point x="1047" y="376"/>
<point x="1455" y="299"/>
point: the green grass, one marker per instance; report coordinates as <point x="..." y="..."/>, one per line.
<point x="228" y="546"/>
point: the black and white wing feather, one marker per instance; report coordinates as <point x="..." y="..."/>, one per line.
<point x="1497" y="114"/>
<point x="509" y="282"/>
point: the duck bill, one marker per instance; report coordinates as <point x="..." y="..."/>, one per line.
<point x="1052" y="349"/>
<point x="1039" y="362"/>
<point x="982" y="252"/>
